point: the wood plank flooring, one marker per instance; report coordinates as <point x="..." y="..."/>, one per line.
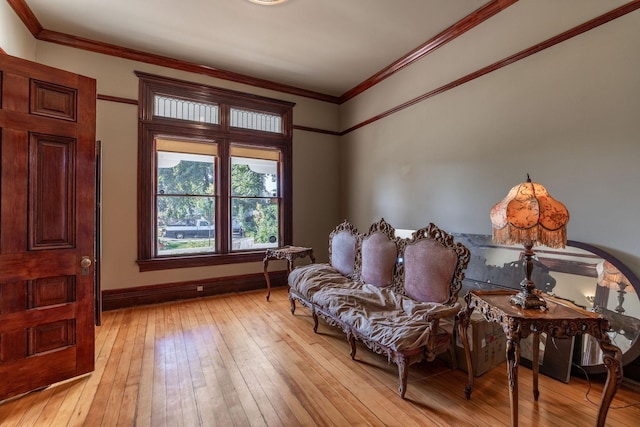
<point x="239" y="360"/>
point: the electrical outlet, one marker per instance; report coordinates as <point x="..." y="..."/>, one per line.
<point x="199" y="288"/>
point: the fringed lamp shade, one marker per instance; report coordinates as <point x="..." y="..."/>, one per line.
<point x="610" y="277"/>
<point x="529" y="216"/>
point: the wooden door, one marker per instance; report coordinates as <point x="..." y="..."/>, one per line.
<point x="47" y="221"/>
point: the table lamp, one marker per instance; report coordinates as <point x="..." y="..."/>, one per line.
<point x="610" y="277"/>
<point x="529" y="216"/>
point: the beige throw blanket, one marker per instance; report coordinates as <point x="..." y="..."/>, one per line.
<point x="390" y="319"/>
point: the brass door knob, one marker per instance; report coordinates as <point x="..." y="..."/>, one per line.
<point x="85" y="262"/>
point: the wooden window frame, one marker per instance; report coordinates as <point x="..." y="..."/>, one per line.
<point x="151" y="127"/>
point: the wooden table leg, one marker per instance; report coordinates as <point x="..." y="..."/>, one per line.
<point x="612" y="359"/>
<point x="266" y="275"/>
<point x="513" y="359"/>
<point x="535" y="364"/>
<point x="463" y="325"/>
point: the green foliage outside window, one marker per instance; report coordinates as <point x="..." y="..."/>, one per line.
<point x="188" y="190"/>
<point x="251" y="205"/>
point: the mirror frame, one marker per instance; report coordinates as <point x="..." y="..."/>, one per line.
<point x="632" y="352"/>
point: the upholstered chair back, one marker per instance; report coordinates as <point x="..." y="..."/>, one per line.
<point x="379" y="254"/>
<point x="343" y="242"/>
<point x="433" y="266"/>
<point x="428" y="269"/>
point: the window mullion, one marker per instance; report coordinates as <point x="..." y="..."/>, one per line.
<point x="223" y="189"/>
<point x="225" y="117"/>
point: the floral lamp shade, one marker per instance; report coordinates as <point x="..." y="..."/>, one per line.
<point x="529" y="216"/>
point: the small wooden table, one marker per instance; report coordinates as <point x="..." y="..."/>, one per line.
<point x="562" y="319"/>
<point x="290" y="253"/>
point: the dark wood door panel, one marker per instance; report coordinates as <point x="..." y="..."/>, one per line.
<point x="51" y="336"/>
<point x="49" y="291"/>
<point x="51" y="189"/>
<point x="51" y="100"/>
<point x="47" y="225"/>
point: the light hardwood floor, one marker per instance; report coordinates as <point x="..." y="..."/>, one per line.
<point x="239" y="360"/>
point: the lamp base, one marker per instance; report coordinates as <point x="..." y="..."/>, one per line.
<point x="621" y="292"/>
<point x="528" y="300"/>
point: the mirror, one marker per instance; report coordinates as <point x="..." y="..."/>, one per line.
<point x="583" y="274"/>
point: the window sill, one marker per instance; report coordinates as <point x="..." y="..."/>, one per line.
<point x="167" y="263"/>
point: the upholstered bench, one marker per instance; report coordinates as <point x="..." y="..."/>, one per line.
<point x="387" y="292"/>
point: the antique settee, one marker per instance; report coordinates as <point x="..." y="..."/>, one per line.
<point x="390" y="293"/>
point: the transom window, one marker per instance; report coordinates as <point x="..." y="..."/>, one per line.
<point x="184" y="109"/>
<point x="214" y="175"/>
<point x="256" y="120"/>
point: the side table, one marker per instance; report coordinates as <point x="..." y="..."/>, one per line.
<point x="562" y="319"/>
<point x="290" y="253"/>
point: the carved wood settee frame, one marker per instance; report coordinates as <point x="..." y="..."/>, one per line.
<point x="439" y="340"/>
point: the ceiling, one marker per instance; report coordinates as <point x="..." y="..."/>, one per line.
<point x="325" y="46"/>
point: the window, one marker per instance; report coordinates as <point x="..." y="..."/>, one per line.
<point x="185" y="197"/>
<point x="254" y="196"/>
<point x="214" y="173"/>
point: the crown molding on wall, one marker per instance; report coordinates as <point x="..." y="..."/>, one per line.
<point x="465" y="24"/>
<point x="575" y="31"/>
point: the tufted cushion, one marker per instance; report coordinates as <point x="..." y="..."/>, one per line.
<point x="428" y="270"/>
<point x="379" y="255"/>
<point x="343" y="252"/>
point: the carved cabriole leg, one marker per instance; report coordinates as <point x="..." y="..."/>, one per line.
<point x="352" y="342"/>
<point x="265" y="263"/>
<point x="535" y="364"/>
<point x="293" y="304"/>
<point x="315" y="320"/>
<point x="513" y="359"/>
<point x="403" y="374"/>
<point x="463" y="325"/>
<point x="612" y="359"/>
